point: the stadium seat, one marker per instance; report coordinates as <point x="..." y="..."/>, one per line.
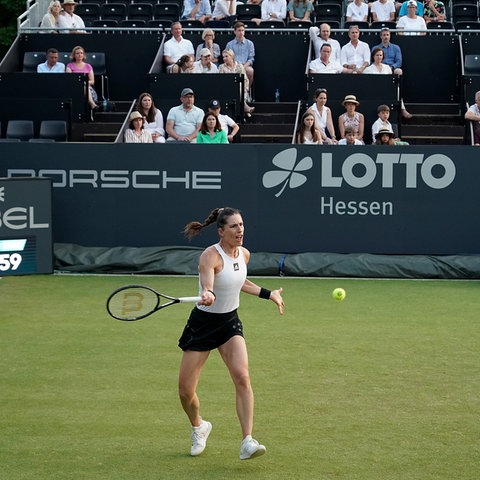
<point x="360" y="25"/>
<point x="98" y="62"/>
<point x="327" y="11"/>
<point x="166" y="11"/>
<point x="54" y="129"/>
<point x="467" y="25"/>
<point x="472" y="64"/>
<point x="140" y="11"/>
<point x="299" y="25"/>
<point x="89" y="12"/>
<point x="31" y="61"/>
<point x="191" y="23"/>
<point x="21" y="129"/>
<point x="440" y="26"/>
<point x="271" y="24"/>
<point x="133" y="23"/>
<point x="217" y="24"/>
<point x="464" y="12"/>
<point x="379" y="25"/>
<point x="247" y="12"/>
<point x="163" y="24"/>
<point x="105" y="23"/>
<point x="113" y="11"/>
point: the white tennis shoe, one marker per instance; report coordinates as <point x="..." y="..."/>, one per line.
<point x="251" y="448"/>
<point x="199" y="437"/>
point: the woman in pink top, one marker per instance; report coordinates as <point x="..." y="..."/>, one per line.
<point x="78" y="65"/>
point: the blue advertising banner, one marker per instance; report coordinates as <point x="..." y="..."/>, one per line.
<point x="381" y="200"/>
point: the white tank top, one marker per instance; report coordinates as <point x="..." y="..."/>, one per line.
<point x="228" y="283"/>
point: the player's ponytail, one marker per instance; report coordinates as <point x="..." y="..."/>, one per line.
<point x="217" y="215"/>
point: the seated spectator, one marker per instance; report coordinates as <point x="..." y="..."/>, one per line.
<point x="321" y="35"/>
<point x="67" y="19"/>
<point x="51" y="65"/>
<point x="382" y="122"/>
<point x="211" y="130"/>
<point x="152" y="117"/>
<point x="197" y="10"/>
<point x="473" y="115"/>
<point x="78" y="65"/>
<point x="224" y="10"/>
<point x="434" y="11"/>
<point x="228" y="124"/>
<point x="300" y="10"/>
<point x="357" y="11"/>
<point x="208" y="36"/>
<point x="355" y="55"/>
<point x="177" y="46"/>
<point x="50" y="19"/>
<point x="383" y="11"/>
<point x="404" y="9"/>
<point x="377" y="66"/>
<point x="272" y="10"/>
<point x="412" y="23"/>
<point x="384" y="137"/>
<point x="244" y="51"/>
<point x="184" y="121"/>
<point x="392" y="52"/>
<point x="323" y="64"/>
<point x="350" y="137"/>
<point x="323" y="116"/>
<point x="184" y="65"/>
<point x="135" y="132"/>
<point x="351" y="118"/>
<point x="307" y="133"/>
<point x="205" y="64"/>
<point x="230" y="65"/>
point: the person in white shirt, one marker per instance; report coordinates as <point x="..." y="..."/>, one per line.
<point x="383" y="11"/>
<point x="357" y="11"/>
<point x="51" y="65"/>
<point x="177" y="46"/>
<point x="355" y="55"/>
<point x="321" y="35"/>
<point x="473" y="115"/>
<point x="205" y="64"/>
<point x="272" y="10"/>
<point x="411" y="22"/>
<point x="350" y="137"/>
<point x="69" y="20"/>
<point x="224" y="9"/>
<point x="323" y="64"/>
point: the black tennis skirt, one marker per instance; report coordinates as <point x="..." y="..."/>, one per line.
<point x="206" y="331"/>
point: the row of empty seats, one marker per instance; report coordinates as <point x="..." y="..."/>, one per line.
<point x="23" y="131"/>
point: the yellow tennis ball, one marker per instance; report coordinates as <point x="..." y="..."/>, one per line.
<point x="339" y="294"/>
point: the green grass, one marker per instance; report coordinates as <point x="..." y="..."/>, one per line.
<point x="384" y="385"/>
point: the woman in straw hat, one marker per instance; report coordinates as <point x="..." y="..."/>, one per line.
<point x="135" y="132"/>
<point x="351" y="118"/>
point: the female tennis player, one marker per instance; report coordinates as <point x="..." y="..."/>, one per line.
<point x="214" y="323"/>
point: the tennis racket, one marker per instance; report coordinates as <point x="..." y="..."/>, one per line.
<point x="134" y="302"/>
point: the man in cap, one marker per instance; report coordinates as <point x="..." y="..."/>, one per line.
<point x="185" y="120"/>
<point x="227" y="123"/>
<point x="69" y="20"/>
<point x="205" y="64"/>
<point x="412" y="23"/>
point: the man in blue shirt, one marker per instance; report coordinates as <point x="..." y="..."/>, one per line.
<point x="52" y="65"/>
<point x="392" y="55"/>
<point x="243" y="49"/>
<point x="197" y="10"/>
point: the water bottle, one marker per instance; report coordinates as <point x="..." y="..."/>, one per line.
<point x="277" y="96"/>
<point x="104" y="104"/>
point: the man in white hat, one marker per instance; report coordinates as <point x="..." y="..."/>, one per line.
<point x="205" y="64"/>
<point x="412" y="23"/>
<point x="69" y="20"/>
<point x="184" y="121"/>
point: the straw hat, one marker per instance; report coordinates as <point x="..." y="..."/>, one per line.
<point x="135" y="115"/>
<point x="350" y="99"/>
<point x="384" y="131"/>
<point x="69" y="2"/>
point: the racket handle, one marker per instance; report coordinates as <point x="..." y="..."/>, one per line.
<point x="189" y="299"/>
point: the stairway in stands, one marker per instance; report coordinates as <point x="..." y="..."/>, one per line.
<point x="105" y="126"/>
<point x="433" y="124"/>
<point x="271" y="123"/>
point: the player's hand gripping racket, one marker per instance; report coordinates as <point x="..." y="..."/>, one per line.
<point x="134" y="302"/>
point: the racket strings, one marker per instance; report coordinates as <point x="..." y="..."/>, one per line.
<point x="133" y="303"/>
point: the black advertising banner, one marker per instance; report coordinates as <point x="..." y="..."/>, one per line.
<point x="365" y="199"/>
<point x="25" y="226"/>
